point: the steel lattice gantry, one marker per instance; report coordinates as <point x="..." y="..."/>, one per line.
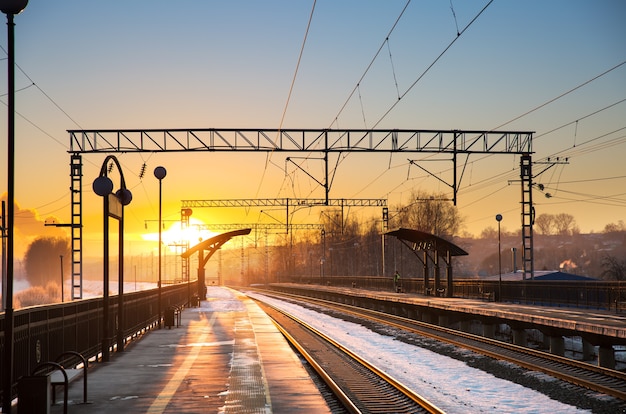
<point x="288" y="202"/>
<point x="325" y="141"/>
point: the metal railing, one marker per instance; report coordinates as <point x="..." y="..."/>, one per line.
<point x="43" y="332"/>
<point x="602" y="295"/>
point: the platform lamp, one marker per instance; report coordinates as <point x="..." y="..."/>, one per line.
<point x="10" y="8"/>
<point x="113" y="206"/>
<point x="160" y="173"/>
<point x="499" y="219"/>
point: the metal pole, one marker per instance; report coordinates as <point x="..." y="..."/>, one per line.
<point x="499" y="219"/>
<point x="62" y="289"/>
<point x="160" y="173"/>
<point x="105" y="281"/>
<point x="4" y="257"/>
<point x="160" y="241"/>
<point x="499" y="265"/>
<point x="7" y="368"/>
<point x="120" y="284"/>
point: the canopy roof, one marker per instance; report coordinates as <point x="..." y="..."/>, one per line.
<point x="215" y="242"/>
<point x="426" y="241"/>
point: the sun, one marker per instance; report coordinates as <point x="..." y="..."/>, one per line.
<point x="176" y="237"/>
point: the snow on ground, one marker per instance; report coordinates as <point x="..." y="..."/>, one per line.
<point x="448" y="383"/>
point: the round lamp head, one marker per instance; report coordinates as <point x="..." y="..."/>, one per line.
<point x="498" y="217"/>
<point x="12" y="6"/>
<point x="160" y="172"/>
<point x="102" y="186"/>
<point x="125" y="196"/>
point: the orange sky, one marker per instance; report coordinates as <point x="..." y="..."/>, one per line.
<point x="164" y="68"/>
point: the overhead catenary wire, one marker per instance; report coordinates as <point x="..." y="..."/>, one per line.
<point x="561" y="95"/>
<point x="510" y="174"/>
<point x="371" y="63"/>
<point x="420" y="77"/>
<point x="44" y="93"/>
<point x="293" y="82"/>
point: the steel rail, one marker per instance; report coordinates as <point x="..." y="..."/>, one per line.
<point x="328" y="380"/>
<point x="412" y="395"/>
<point x="535" y="360"/>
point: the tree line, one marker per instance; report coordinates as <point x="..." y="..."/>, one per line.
<point x="348" y="246"/>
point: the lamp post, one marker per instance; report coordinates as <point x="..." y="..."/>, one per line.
<point x="10" y="8"/>
<point x="113" y="206"/>
<point x="499" y="219"/>
<point x="160" y="173"/>
<point x="62" y="290"/>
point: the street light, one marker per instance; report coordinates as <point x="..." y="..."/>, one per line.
<point x="62" y="281"/>
<point x="113" y="206"/>
<point x="499" y="219"/>
<point x="10" y="8"/>
<point x="160" y="173"/>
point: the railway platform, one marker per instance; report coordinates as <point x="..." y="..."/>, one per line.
<point x="597" y="322"/>
<point x="225" y="357"/>
<point x="603" y="329"/>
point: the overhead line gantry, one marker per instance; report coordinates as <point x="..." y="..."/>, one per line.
<point x="326" y="141"/>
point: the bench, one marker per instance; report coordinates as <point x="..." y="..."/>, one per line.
<point x="488" y="296"/>
<point x="59" y="375"/>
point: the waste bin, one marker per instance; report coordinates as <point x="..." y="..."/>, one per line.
<point x="33" y="394"/>
<point x="170" y="314"/>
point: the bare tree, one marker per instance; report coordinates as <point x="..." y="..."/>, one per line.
<point x="614" y="269"/>
<point x="489" y="233"/>
<point x="565" y="224"/>
<point x="545" y="223"/>
<point x="615" y="227"/>
<point x="430" y="213"/>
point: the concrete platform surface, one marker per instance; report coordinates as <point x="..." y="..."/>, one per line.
<point x="226" y="357"/>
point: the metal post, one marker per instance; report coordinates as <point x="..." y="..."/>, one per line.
<point x="103" y="187"/>
<point x="499" y="219"/>
<point x="10" y="9"/>
<point x="120" y="285"/>
<point x="62" y="289"/>
<point x="160" y="250"/>
<point x="160" y="173"/>
<point x="4" y="256"/>
<point x="105" y="281"/>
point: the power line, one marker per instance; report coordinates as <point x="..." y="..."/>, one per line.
<point x="369" y="66"/>
<point x="421" y="76"/>
<point x="432" y="64"/>
<point x="44" y="93"/>
<point x="561" y="95"/>
<point x="293" y="82"/>
<point x="535" y="137"/>
<point x="618" y="177"/>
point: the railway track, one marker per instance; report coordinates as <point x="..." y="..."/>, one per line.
<point x="360" y="386"/>
<point x="607" y="381"/>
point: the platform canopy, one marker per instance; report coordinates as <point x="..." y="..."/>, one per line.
<point x="433" y="248"/>
<point x="210" y="246"/>
<point x="426" y="241"/>
<point x="214" y="242"/>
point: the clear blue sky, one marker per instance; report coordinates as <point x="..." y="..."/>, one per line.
<point x="218" y="64"/>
